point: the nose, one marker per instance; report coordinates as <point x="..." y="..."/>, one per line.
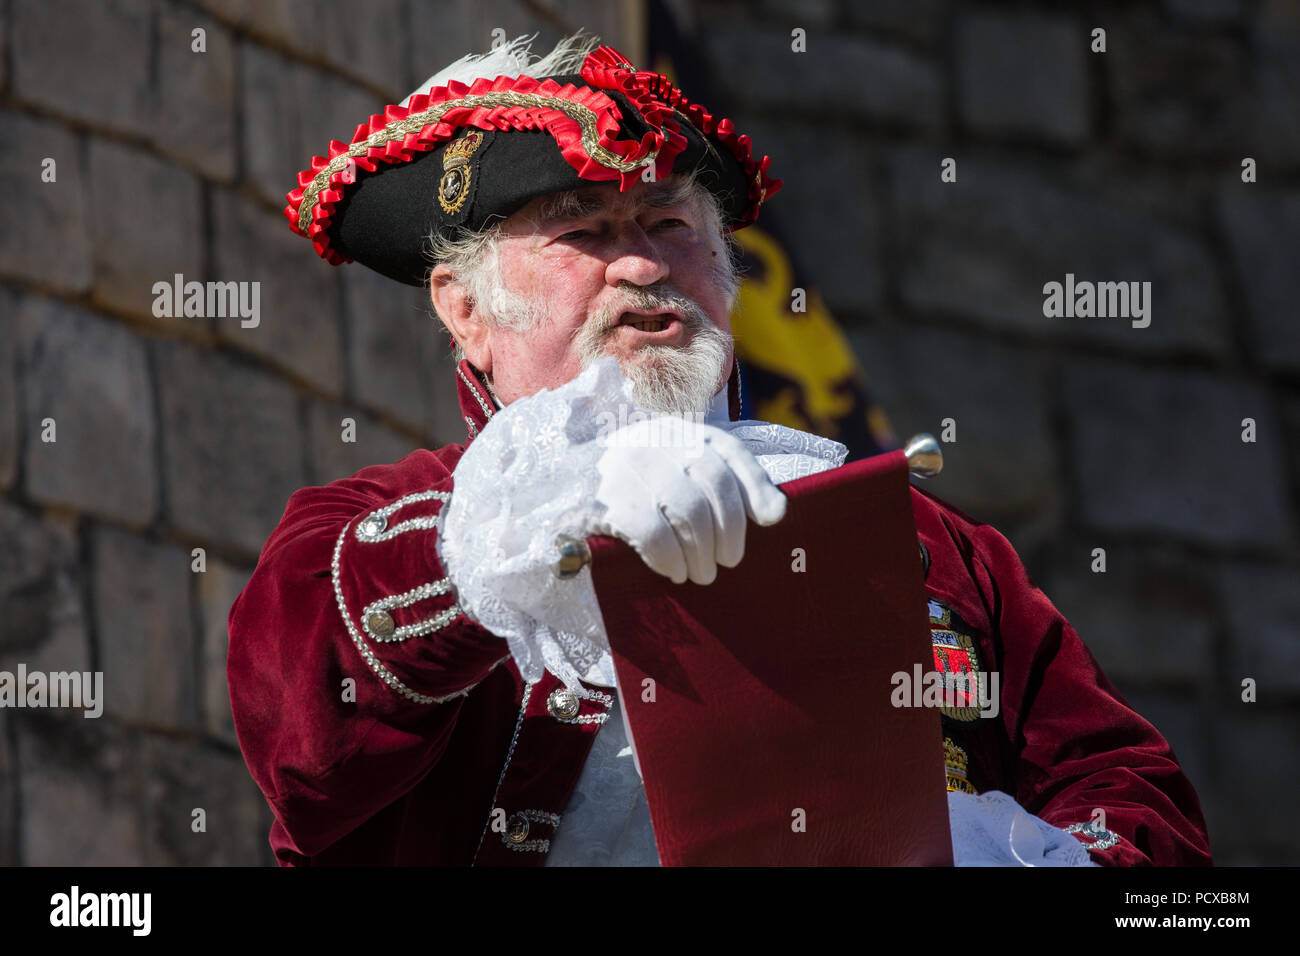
<point x="636" y="259"/>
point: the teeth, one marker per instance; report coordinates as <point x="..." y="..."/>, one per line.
<point x="650" y="325"/>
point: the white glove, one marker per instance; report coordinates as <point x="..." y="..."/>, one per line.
<point x="534" y="472"/>
<point x="679" y="493"/>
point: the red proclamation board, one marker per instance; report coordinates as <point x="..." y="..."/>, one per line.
<point x="771" y="739"/>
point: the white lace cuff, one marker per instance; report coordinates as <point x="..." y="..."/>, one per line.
<point x="531" y="475"/>
<point x="993" y="830"/>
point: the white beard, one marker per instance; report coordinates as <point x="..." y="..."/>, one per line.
<point x="668" y="379"/>
<point x="678" y="381"/>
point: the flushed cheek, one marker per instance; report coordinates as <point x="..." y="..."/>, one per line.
<point x="543" y="354"/>
<point x="568" y="285"/>
<point x="695" y="277"/>
<point x="559" y="362"/>
<point x="537" y="361"/>
<point x="543" y="357"/>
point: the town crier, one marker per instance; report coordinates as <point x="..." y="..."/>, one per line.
<point x="410" y="683"/>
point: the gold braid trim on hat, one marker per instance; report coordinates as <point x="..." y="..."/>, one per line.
<point x="584" y="116"/>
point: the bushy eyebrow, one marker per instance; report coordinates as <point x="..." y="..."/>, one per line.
<point x="580" y="203"/>
<point x="670" y="194"/>
<point x="575" y="204"/>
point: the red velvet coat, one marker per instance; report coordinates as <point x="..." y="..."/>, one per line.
<point x="384" y="727"/>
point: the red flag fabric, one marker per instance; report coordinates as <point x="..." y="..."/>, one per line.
<point x="760" y="705"/>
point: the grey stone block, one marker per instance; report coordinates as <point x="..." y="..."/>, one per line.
<point x="1252" y="821"/>
<point x="808" y="14"/>
<point x="272" y="145"/>
<point x="390" y="354"/>
<point x="1210" y="12"/>
<point x="1178" y="94"/>
<point x="44" y="226"/>
<point x="80" y="790"/>
<point x="827" y="212"/>
<point x="218" y="587"/>
<point x="333" y="458"/>
<point x="287" y="22"/>
<point x="368" y="46"/>
<point x="180" y="778"/>
<point x="196" y="93"/>
<point x="9" y="844"/>
<point x="983" y="248"/>
<point x="8" y="394"/>
<point x="42" y="621"/>
<point x="232" y="447"/>
<point x="444" y="32"/>
<point x="92" y="379"/>
<point x="134" y="249"/>
<point x="1278" y="14"/>
<point x="847" y="76"/>
<point x="616" y="24"/>
<point x="1149" y="619"/>
<point x="298" y="326"/>
<point x="1263" y="606"/>
<point x="86" y="59"/>
<point x="1023" y="76"/>
<point x="291" y="113"/>
<point x="1157" y="450"/>
<point x="1275" y="118"/>
<point x="1003" y="462"/>
<point x="144" y="623"/>
<point x="922" y="21"/>
<point x="1261" y="225"/>
<point x="28" y="571"/>
<point x="1291" y="418"/>
<point x="328" y="108"/>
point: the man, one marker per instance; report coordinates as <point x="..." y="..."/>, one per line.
<point x="411" y="685"/>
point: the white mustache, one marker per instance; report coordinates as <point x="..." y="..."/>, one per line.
<point x="645" y="299"/>
<point x="672" y="379"/>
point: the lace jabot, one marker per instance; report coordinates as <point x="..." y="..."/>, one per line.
<point x="531" y="475"/>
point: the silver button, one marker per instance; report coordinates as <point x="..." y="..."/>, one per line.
<point x="374" y="526"/>
<point x="380" y="624"/>
<point x="563" y="704"/>
<point x="516" y="829"/>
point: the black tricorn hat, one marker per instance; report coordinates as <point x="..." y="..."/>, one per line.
<point x="459" y="157"/>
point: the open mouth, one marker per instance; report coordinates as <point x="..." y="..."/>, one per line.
<point x="649" y="323"/>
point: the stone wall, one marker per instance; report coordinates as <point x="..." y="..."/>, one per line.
<point x="175" y="434"/>
<point x="1077" y="433"/>
<point x="180" y="433"/>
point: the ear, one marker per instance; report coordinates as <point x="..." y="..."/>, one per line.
<point x="452" y="303"/>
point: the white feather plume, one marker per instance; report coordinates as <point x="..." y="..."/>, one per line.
<point x="514" y="58"/>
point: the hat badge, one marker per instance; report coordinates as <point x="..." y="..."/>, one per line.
<point x="453" y="188"/>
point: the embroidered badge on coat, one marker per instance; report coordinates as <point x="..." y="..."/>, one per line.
<point x="956" y="762"/>
<point x="956" y="660"/>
